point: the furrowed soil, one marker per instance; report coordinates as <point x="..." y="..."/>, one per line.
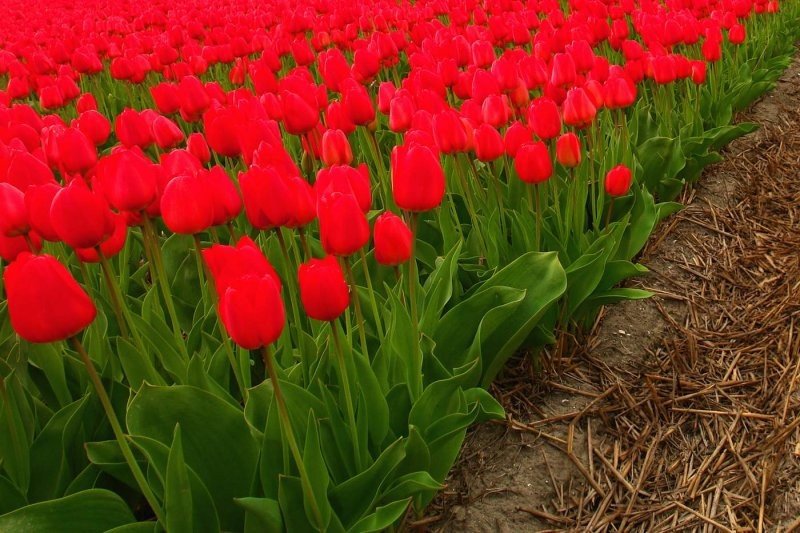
<point x="679" y="412"/>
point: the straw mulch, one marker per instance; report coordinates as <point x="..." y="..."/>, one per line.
<point x="701" y="432"/>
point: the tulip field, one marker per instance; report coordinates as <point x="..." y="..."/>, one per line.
<point x="261" y="261"/>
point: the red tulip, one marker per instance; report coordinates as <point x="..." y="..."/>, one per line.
<point x="94" y="125"/>
<point x="251" y="309"/>
<point x="348" y="180"/>
<point x="579" y="111"/>
<point x="533" y="164"/>
<point x="357" y="102"/>
<point x="323" y="289"/>
<point x="488" y="143"/>
<point x="737" y="34"/>
<point x="33" y="284"/>
<point x="197" y="146"/>
<point x="343" y="227"/>
<point x="392" y="240"/>
<point x="544" y="118"/>
<point x="187" y="205"/>
<point x="451" y="137"/>
<point x="401" y="113"/>
<point x="80" y="217"/>
<point x="13" y="213"/>
<point x="298" y="115"/>
<point x="166" y="133"/>
<point x="12" y="247"/>
<point x="516" y="135"/>
<point x="563" y="70"/>
<point x="418" y="182"/>
<point x="618" y="181"/>
<point x="76" y="152"/>
<point x="568" y="150"/>
<point x="227" y="203"/>
<point x="132" y="129"/>
<point x="128" y="180"/>
<point x="336" y="148"/>
<point x="109" y="247"/>
<point x="38" y="201"/>
<point x="228" y="263"/>
<point x="222" y="127"/>
<point x="86" y="102"/>
<point x="267" y="197"/>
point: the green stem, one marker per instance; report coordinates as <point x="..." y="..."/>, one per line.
<point x="356" y="306"/>
<point x="372" y="300"/>
<point x="286" y="423"/>
<point x="348" y="398"/>
<point x="198" y="256"/>
<point x="118" y="300"/>
<point x="415" y="374"/>
<point x="119" y="435"/>
<point x="166" y="293"/>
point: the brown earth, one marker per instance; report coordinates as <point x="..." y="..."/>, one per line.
<point x="675" y="413"/>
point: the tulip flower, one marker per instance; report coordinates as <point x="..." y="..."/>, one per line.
<point x="323" y="289"/>
<point x="187" y="205"/>
<point x="343" y="227"/>
<point x="336" y="148"/>
<point x="197" y="146"/>
<point x="545" y="120"/>
<point x="533" y="163"/>
<point x="13" y="213"/>
<point x="33" y="283"/>
<point x="568" y="150"/>
<point x="418" y="182"/>
<point x="132" y="129"/>
<point x="251" y="309"/>
<point x="228" y="263"/>
<point x="128" y="180"/>
<point x="488" y="143"/>
<point x="618" y="181"/>
<point x="80" y="217"/>
<point x="579" y="111"/>
<point x="392" y="240"/>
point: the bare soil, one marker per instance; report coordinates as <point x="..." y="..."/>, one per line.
<point x="680" y="412"/>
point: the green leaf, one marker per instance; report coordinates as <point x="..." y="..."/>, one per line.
<point x="438" y="288"/>
<point x="51" y="361"/>
<point x="381" y="519"/>
<point x="377" y="410"/>
<point x="94" y="510"/>
<point x="217" y="443"/>
<point x="178" y="492"/>
<point x="317" y="474"/>
<point x="262" y="515"/>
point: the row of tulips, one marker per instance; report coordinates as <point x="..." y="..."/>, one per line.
<point x="261" y="262"/>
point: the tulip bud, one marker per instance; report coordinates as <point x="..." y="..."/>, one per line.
<point x="33" y="284"/>
<point x="343" y="227"/>
<point x="323" y="289"/>
<point x="132" y="129"/>
<point x="166" y="133"/>
<point x="488" y="143"/>
<point x="227" y="203"/>
<point x="392" y="240"/>
<point x="418" y="182"/>
<point x="579" y="111"/>
<point x="544" y="118"/>
<point x="38" y="201"/>
<point x="516" y="135"/>
<point x="251" y="309"/>
<point x="13" y="213"/>
<point x="568" y="150"/>
<point x="186" y="205"/>
<point x="228" y="263"/>
<point x="79" y="216"/>
<point x="533" y="164"/>
<point x="336" y="148"/>
<point x="109" y="247"/>
<point x="401" y="113"/>
<point x="737" y="34"/>
<point x="76" y="152"/>
<point x="618" y="181"/>
<point x="267" y="197"/>
<point x="197" y="146"/>
<point x="128" y="180"/>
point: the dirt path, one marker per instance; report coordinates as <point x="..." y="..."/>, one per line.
<point x="679" y="412"/>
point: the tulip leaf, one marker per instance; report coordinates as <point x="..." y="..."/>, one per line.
<point x="217" y="443"/>
<point x="51" y="362"/>
<point x="10" y="496"/>
<point x="438" y="288"/>
<point x="178" y="492"/>
<point x="94" y="510"/>
<point x="318" y="475"/>
<point x="262" y="515"/>
<point x="377" y="409"/>
<point x="381" y="519"/>
<point x="15" y="439"/>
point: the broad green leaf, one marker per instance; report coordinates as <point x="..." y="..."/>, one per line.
<point x="94" y="510"/>
<point x="217" y="443"/>
<point x="178" y="492"/>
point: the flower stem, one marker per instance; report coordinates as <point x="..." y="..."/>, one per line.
<point x="357" y="306"/>
<point x="119" y="435"/>
<point x="348" y="399"/>
<point x="286" y="423"/>
<point x="415" y="374"/>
